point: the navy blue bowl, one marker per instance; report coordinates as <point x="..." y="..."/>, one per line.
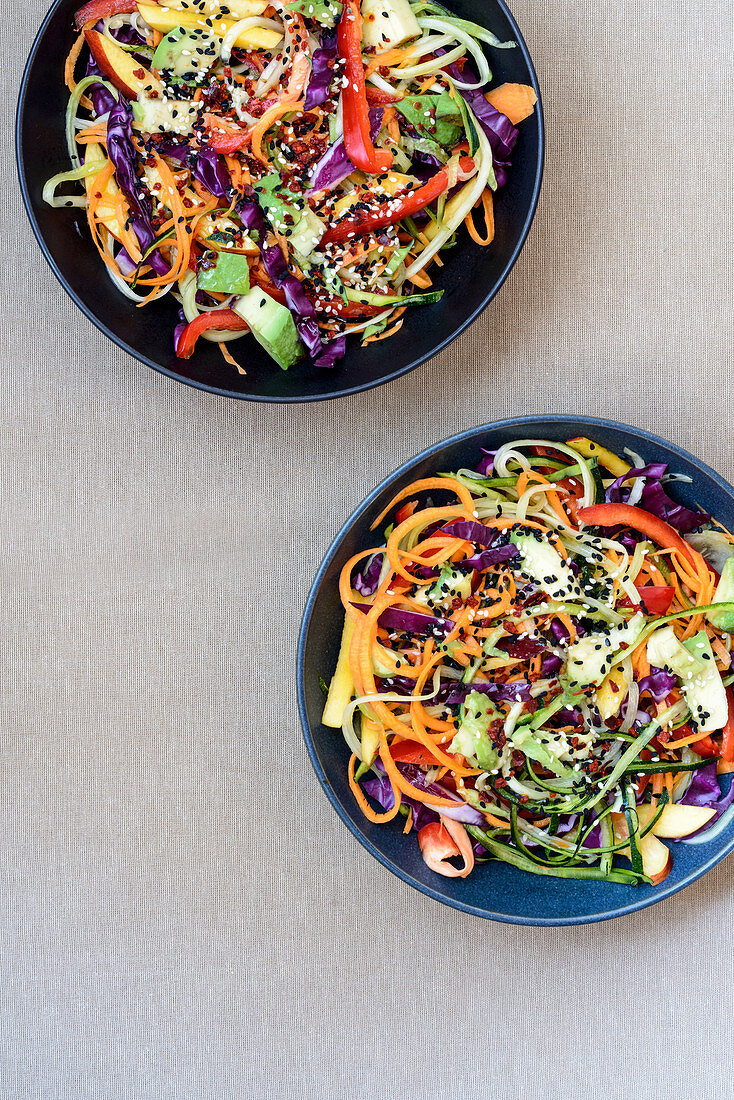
<point x="494" y="890"/>
<point x="471" y="275"/>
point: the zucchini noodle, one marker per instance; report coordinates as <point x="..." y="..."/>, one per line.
<point x="470" y="46"/>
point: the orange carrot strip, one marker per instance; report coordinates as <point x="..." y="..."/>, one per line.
<point x="425" y="484"/>
<point x="362" y="802"/>
<point x="272" y="115"/>
<point x="517" y="101"/>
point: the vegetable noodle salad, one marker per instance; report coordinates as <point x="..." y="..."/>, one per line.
<point x="536" y="666"/>
<point x="285" y="169"/>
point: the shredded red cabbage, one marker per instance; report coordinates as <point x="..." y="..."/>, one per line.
<point x="411" y="622"/>
<point x="211" y="171"/>
<point x="522" y="648"/>
<point x="366" y="579"/>
<point x="490" y="557"/>
<point x="505" y="693"/>
<point x="656" y="500"/>
<point x="501" y="133"/>
<point x="472" y="531"/>
<point x="551" y="664"/>
<point x="335" y="165"/>
<point x="323" y="69"/>
<point x="452" y="692"/>
<point x="205" y="165"/>
<point x="482" y="536"/>
<point x="122" y="155"/>
<point x="659" y="683"/>
<point x="485" y="466"/>
<point x="333" y="351"/>
<point x="462" y="811"/>
<point x="102" y="99"/>
<point x="614" y="493"/>
<point x="380" y="788"/>
<point x="569" y="716"/>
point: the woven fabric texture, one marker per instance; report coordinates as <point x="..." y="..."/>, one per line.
<point x="181" y="912"/>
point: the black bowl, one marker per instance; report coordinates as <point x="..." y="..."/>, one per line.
<point x="494" y="890"/>
<point x="471" y="276"/>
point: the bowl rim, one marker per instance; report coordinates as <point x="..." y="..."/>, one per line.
<point x="589" y="422"/>
<point x="294" y="399"/>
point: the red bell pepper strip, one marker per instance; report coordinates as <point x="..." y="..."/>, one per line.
<point x="357" y="139"/>
<point x="406" y="511"/>
<point x="411" y="752"/>
<point x="627" y="515"/>
<point x="377" y="98"/>
<point x="656" y="599"/>
<point x="403" y="206"/>
<point x="103" y="9"/>
<point x="229" y="143"/>
<point x="727" y="744"/>
<point x="348" y="311"/>
<point x="223" y="136"/>
<point x="439" y="841"/>
<point x="705" y="747"/>
<point x="217" y="319"/>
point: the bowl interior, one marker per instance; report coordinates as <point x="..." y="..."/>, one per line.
<point x="494" y="890"/>
<point x="471" y="276"/>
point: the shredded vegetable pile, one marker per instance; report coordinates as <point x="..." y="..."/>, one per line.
<point x="285" y="169"/>
<point x="536" y="666"/>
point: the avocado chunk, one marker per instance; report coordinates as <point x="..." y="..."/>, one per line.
<point x="224" y="273"/>
<point x="693" y="662"/>
<point x="543" y="564"/>
<point x="388" y="23"/>
<point x="186" y="53"/>
<point x="724" y="620"/>
<point x="450" y="584"/>
<point x="272" y="326"/>
<point x="289" y="215"/>
<point x="592" y="657"/>
<point x="544" y="748"/>
<point x="472" y="738"/>
<point x="175" y="116"/>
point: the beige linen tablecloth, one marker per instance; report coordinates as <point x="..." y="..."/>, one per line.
<point x="182" y="913"/>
